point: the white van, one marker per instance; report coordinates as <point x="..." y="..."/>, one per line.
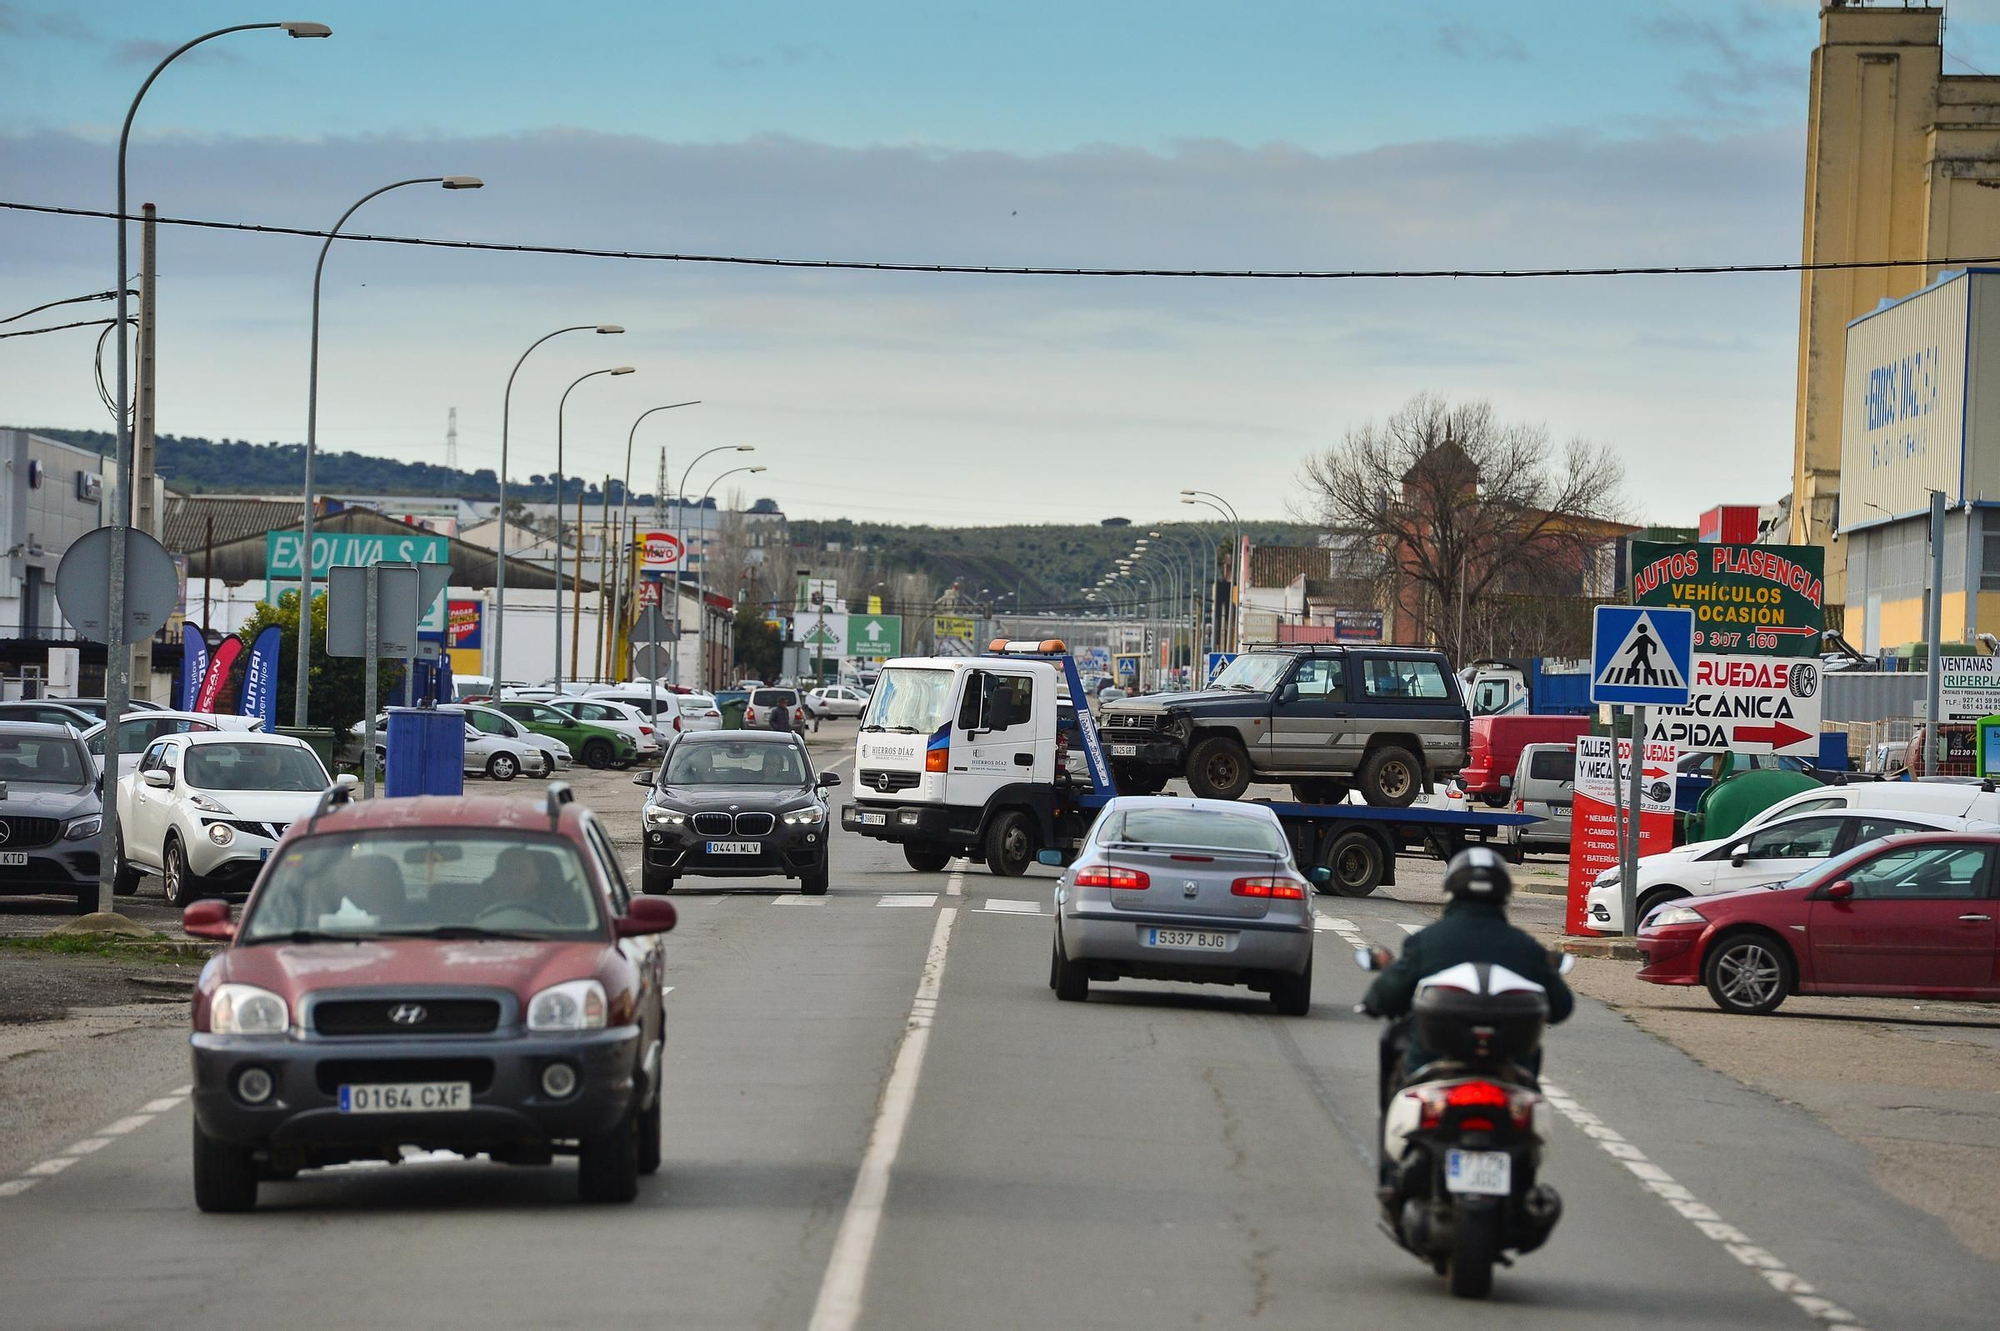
<point x="957" y="756"/>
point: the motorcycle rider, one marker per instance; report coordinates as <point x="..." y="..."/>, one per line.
<point x="1474" y="928"/>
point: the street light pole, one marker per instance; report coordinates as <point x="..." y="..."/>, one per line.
<point x="1222" y="506"/>
<point x="701" y="592"/>
<point x="302" y="680"/>
<point x="625" y="519"/>
<point x="499" y="666"/>
<point x="117" y="651"/>
<point x="561" y="403"/>
<point x="680" y="528"/>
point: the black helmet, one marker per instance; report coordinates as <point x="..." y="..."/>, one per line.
<point x="1477" y="873"/>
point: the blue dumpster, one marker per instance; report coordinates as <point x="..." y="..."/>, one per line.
<point x="426" y="751"/>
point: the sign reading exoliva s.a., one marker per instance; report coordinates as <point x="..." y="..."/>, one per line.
<point x="1748" y="600"/>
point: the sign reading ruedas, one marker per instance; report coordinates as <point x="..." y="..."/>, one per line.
<point x="1745" y="704"/>
<point x="1748" y="600"/>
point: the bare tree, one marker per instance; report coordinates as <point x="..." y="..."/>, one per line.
<point x="1462" y="507"/>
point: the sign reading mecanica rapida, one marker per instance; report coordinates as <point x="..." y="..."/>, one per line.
<point x="1748" y="600"/>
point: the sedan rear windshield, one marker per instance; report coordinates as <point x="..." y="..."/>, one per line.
<point x="1198" y="828"/>
<point x="254" y="767"/>
<point x="438" y="882"/>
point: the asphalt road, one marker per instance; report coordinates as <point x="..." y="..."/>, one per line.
<point x="879" y="1116"/>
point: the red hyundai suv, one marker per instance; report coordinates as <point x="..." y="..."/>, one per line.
<point x="1904" y="916"/>
<point x="462" y="974"/>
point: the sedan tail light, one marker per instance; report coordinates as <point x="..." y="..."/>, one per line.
<point x="1279" y="886"/>
<point x="1107" y="876"/>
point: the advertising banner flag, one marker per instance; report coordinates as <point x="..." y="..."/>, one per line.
<point x="219" y="666"/>
<point x="260" y="680"/>
<point x="194" y="664"/>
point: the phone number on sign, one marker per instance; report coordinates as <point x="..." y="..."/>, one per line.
<point x="1768" y="641"/>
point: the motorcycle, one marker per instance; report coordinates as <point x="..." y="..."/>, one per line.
<point x="1463" y="1139"/>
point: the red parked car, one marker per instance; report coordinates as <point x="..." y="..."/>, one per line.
<point x="1904" y="916"/>
<point x="443" y="974"/>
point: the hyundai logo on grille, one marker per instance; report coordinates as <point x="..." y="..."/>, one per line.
<point x="408" y="1014"/>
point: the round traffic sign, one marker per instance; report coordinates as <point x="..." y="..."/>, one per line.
<point x="83" y="585"/>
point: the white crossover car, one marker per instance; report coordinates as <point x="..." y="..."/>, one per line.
<point x="204" y="808"/>
<point x="620" y="716"/>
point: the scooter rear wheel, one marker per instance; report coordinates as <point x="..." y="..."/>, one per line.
<point x="1475" y="1246"/>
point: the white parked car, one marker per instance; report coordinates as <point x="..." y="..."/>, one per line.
<point x="619" y="716"/>
<point x="502" y="757"/>
<point x="836" y="700"/>
<point x="1765" y="852"/>
<point x="661" y="703"/>
<point x="204" y="808"/>
<point x="141" y="728"/>
<point x="698" y="711"/>
<point x="493" y="721"/>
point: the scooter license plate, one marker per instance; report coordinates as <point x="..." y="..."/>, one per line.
<point x="1481" y="1173"/>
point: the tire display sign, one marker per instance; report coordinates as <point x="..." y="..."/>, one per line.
<point x="1971" y="687"/>
<point x="1593" y="828"/>
<point x="1748" y="600"/>
<point x="1745" y="704"/>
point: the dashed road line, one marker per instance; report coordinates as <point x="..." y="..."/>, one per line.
<point x="1002" y="906"/>
<point x="838" y="1306"/>
<point x="1703" y="1217"/>
<point x="922" y="900"/>
<point x="1329" y="924"/>
<point x="955" y="885"/>
<point x="797" y="899"/>
<point x="92" y="1144"/>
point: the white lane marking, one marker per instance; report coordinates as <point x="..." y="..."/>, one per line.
<point x="955" y="885"/>
<point x="838" y="1307"/>
<point x="922" y="899"/>
<point x="183" y="1090"/>
<point x="797" y="899"/>
<point x="160" y="1106"/>
<point x="1413" y="928"/>
<point x="1335" y="925"/>
<point x="1002" y="906"/>
<point x="125" y="1125"/>
<point x="14" y="1187"/>
<point x="88" y="1145"/>
<point x="55" y="1166"/>
<point x="1702" y="1216"/>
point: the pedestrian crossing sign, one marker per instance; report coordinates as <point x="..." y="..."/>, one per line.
<point x="1641" y="655"/>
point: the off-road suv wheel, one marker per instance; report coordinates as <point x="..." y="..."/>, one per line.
<point x="1218" y="769"/>
<point x="1391" y="777"/>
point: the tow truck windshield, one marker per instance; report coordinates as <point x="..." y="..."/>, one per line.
<point x="911" y="699"/>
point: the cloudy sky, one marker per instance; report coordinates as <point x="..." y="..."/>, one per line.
<point x="1159" y="134"/>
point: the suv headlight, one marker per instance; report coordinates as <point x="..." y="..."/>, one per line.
<point x="668" y="817"/>
<point x="244" y="1009"/>
<point x="206" y="804"/>
<point x="807" y="817"/>
<point x="576" y="1005"/>
<point x="83" y="828"/>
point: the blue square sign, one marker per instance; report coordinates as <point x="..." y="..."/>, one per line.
<point x="1641" y="655"/>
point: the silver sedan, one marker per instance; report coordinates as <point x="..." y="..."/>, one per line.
<point x="1199" y="891"/>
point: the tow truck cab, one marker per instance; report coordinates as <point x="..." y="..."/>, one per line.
<point x="968" y="756"/>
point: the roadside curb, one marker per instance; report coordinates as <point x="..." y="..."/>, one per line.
<point x="1616" y="949"/>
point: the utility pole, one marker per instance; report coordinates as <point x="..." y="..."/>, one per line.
<point x="145" y="510"/>
<point x="1934" y="638"/>
<point x="604" y="566"/>
<point x="576" y="601"/>
<point x="451" y="440"/>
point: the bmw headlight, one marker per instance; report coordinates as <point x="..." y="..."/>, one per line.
<point x="665" y="817"/>
<point x="244" y="1009"/>
<point x="1666" y="915"/>
<point x="84" y="828"/>
<point x="576" y="1005"/>
<point x="807" y="817"/>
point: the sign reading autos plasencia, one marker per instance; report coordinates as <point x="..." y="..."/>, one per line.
<point x="1748" y="600"/>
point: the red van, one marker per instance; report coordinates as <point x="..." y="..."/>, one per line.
<point x="1497" y="742"/>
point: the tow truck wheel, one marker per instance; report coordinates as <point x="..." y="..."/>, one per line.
<point x="925" y="859"/>
<point x="1218" y="769"/>
<point x="1010" y="844"/>
<point x="1355" y="859"/>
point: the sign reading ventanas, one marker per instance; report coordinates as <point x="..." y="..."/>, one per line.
<point x="1748" y="600"/>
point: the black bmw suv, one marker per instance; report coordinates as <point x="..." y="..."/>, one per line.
<point x="735" y="804"/>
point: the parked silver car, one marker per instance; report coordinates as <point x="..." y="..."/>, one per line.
<point x="1545" y="786"/>
<point x="1199" y="891"/>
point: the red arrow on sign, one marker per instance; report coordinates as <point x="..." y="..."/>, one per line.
<point x="1797" y="630"/>
<point x="1778" y="735"/>
<point x="1654" y="771"/>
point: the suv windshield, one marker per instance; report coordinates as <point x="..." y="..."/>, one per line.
<point x="1258" y="672"/>
<point x="735" y="765"/>
<point x="254" y="767"/>
<point x="910" y="698"/>
<point x="36" y="760"/>
<point x="438" y="881"/>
